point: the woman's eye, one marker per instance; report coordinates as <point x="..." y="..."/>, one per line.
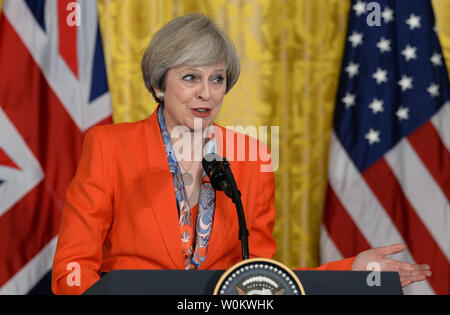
<point x="219" y="79"/>
<point x="189" y="77"/>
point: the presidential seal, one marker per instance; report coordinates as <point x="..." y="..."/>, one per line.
<point x="259" y="276"/>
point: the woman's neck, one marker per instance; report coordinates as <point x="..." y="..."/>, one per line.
<point x="188" y="145"/>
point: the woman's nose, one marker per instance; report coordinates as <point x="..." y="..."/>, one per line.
<point x="204" y="91"/>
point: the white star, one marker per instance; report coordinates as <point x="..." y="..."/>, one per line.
<point x="373" y="136"/>
<point x="402" y="113"/>
<point x="356" y="39"/>
<point x="352" y="69"/>
<point x="410" y="53"/>
<point x="433" y="89"/>
<point x="376" y="106"/>
<point x="348" y="100"/>
<point x="436" y="59"/>
<point x="360" y="8"/>
<point x="384" y="45"/>
<point x="413" y="22"/>
<point x="406" y="83"/>
<point x="380" y="76"/>
<point x="388" y="15"/>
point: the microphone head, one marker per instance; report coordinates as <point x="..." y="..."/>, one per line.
<point x="210" y="161"/>
<point x="214" y="167"/>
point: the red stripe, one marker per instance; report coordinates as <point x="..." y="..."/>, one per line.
<point x="26" y="228"/>
<point x="434" y="154"/>
<point x="67" y="36"/>
<point x="6" y="161"/>
<point x="341" y="228"/>
<point x="55" y="141"/>
<point x="420" y="243"/>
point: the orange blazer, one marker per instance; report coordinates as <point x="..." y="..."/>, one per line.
<point x="121" y="213"/>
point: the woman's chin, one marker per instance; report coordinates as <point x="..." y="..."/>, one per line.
<point x="198" y="124"/>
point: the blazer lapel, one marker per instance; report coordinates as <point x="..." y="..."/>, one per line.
<point x="161" y="193"/>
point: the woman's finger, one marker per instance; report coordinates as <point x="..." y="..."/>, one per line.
<point x="391" y="249"/>
<point x="413" y="267"/>
<point x="395" y="265"/>
<point x="413" y="273"/>
<point x="409" y="276"/>
<point x="415" y="278"/>
<point x="423" y="267"/>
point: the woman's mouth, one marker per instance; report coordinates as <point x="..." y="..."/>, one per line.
<point x="201" y="112"/>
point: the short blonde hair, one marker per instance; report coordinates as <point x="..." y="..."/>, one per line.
<point x="192" y="40"/>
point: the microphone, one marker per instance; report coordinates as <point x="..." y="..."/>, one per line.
<point x="221" y="177"/>
<point x="216" y="169"/>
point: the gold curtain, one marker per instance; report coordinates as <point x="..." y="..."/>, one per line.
<point x="442" y="14"/>
<point x="291" y="54"/>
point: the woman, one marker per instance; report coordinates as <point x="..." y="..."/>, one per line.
<point x="140" y="199"/>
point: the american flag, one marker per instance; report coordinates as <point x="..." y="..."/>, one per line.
<point x="53" y="88"/>
<point x="389" y="165"/>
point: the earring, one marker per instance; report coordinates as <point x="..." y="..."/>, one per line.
<point x="161" y="96"/>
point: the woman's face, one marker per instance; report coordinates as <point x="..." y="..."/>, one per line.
<point x="193" y="93"/>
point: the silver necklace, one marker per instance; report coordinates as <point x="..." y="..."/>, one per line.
<point x="188" y="179"/>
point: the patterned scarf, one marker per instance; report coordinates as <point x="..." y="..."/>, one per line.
<point x="193" y="257"/>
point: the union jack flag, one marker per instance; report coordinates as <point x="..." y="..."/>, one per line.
<point x="53" y="88"/>
<point x="389" y="166"/>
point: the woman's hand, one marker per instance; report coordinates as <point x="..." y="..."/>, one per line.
<point x="409" y="273"/>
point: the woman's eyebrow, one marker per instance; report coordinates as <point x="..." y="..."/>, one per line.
<point x="198" y="70"/>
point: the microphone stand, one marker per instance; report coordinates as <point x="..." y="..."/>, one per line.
<point x="235" y="196"/>
<point x="219" y="171"/>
